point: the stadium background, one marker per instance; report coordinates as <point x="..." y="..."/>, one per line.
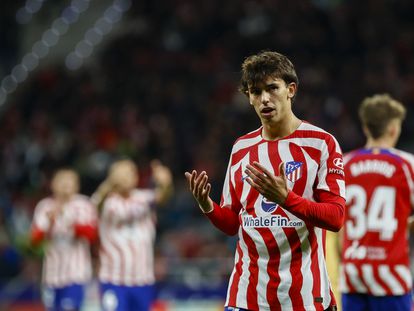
<point x="85" y="81"/>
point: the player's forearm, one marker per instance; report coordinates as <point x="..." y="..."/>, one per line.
<point x="225" y="219"/>
<point x="163" y="193"/>
<point x="88" y="232"/>
<point x="101" y="193"/>
<point x="37" y="236"/>
<point x="326" y="215"/>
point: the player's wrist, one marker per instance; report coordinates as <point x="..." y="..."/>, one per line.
<point x="207" y="207"/>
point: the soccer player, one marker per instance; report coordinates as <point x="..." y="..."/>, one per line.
<point x="380" y="195"/>
<point x="67" y="222"/>
<point x="283" y="188"/>
<point x="127" y="233"/>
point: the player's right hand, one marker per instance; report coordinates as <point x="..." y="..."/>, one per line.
<point x="200" y="188"/>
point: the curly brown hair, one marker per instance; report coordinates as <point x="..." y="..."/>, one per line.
<point x="377" y="111"/>
<point x="256" y="68"/>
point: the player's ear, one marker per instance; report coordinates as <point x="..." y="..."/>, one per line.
<point x="366" y="131"/>
<point x="394" y="128"/>
<point x="292" y="88"/>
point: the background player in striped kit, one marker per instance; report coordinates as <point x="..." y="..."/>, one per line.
<point x="67" y="222"/>
<point x="127" y="233"/>
<point x="380" y="196"/>
<point x="284" y="186"/>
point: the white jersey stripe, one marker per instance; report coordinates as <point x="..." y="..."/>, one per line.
<point x="241" y="299"/>
<point x="342" y="189"/>
<point x="389" y="279"/>
<point x="352" y="273"/>
<point x="325" y="288"/>
<point x="246" y="186"/>
<point x="284" y="270"/>
<point x="310" y="127"/>
<point x="263" y="276"/>
<point x="311" y="176"/>
<point x="405" y="274"/>
<point x="306" y="268"/>
<point x="246" y="143"/>
<point x="368" y="275"/>
<point x="343" y="287"/>
<point x="227" y="200"/>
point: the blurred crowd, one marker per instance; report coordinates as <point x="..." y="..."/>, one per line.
<point x="167" y="88"/>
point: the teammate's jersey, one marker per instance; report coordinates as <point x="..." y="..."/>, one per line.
<point x="67" y="260"/>
<point x="279" y="260"/>
<point x="380" y="196"/>
<point x="127" y="234"/>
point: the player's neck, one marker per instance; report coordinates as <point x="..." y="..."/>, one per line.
<point x="277" y="130"/>
<point x="382" y="142"/>
<point x="62" y="199"/>
<point x="125" y="193"/>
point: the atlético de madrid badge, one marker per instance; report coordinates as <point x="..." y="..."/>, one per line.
<point x="293" y="170"/>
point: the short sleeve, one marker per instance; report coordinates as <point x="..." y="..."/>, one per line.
<point x="228" y="196"/>
<point x="41" y="219"/>
<point x="331" y="176"/>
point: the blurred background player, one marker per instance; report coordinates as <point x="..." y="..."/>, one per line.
<point x="282" y="188"/>
<point x="66" y="221"/>
<point x="127" y="234"/>
<point x="379" y="180"/>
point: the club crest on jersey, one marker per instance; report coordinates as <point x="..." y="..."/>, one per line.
<point x="293" y="170"/>
<point x="268" y="206"/>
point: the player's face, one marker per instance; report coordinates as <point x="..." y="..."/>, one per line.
<point x="124" y="176"/>
<point x="272" y="99"/>
<point x="65" y="184"/>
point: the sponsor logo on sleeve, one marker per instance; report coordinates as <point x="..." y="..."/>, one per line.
<point x="339" y="167"/>
<point x="339" y="162"/>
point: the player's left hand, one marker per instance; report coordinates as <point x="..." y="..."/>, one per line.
<point x="274" y="188"/>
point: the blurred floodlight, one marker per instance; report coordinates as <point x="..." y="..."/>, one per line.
<point x="30" y="61"/>
<point x="73" y="61"/>
<point x="93" y="36"/>
<point x="24" y="14"/>
<point x="32" y="6"/>
<point x="123" y="5"/>
<point x="9" y="84"/>
<point x="103" y="25"/>
<point x="112" y="15"/>
<point x="19" y="73"/>
<point x="60" y="25"/>
<point x="83" y="49"/>
<point x="40" y="49"/>
<point x="70" y="15"/>
<point x="81" y="5"/>
<point x="50" y="37"/>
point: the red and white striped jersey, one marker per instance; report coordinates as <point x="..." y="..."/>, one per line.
<point x="127" y="234"/>
<point x="380" y="196"/>
<point x="280" y="260"/>
<point x="67" y="258"/>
